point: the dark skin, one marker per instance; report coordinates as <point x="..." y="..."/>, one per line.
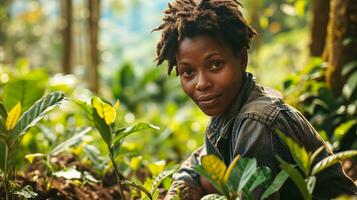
<point x="211" y="74"/>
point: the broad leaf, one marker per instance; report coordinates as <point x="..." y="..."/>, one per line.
<point x="104" y="129"/>
<point x="25" y="91"/>
<point x="69" y="142"/>
<point x="125" y="132"/>
<point x="296" y="177"/>
<point x="299" y="154"/>
<point x="104" y="110"/>
<point x="248" y="168"/>
<point x="214" y="166"/>
<point x="159" y="179"/>
<point x="34" y="114"/>
<point x="278" y="181"/>
<point x="13" y="116"/>
<point x="326" y="162"/>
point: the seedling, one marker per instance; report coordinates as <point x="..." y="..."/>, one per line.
<point x="13" y="126"/>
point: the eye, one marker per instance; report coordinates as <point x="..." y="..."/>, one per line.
<point x="216" y="65"/>
<point x="186" y="72"/>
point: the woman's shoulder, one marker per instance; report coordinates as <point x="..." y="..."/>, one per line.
<point x="263" y="104"/>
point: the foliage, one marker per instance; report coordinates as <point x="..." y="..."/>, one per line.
<point x="334" y="117"/>
<point x="103" y="115"/>
<point x="13" y="127"/>
<point x="240" y="179"/>
<point x="306" y="181"/>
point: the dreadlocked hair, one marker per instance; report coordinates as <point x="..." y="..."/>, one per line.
<point x="221" y="19"/>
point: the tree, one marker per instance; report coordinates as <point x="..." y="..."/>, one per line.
<point x="66" y="10"/>
<point x="94" y="14"/>
<point x="341" y="42"/>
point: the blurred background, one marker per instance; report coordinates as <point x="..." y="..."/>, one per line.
<point x="305" y="49"/>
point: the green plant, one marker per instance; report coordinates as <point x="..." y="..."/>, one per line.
<point x="14" y="125"/>
<point x="55" y="150"/>
<point x="240" y="179"/>
<point x="306" y="181"/>
<point x="333" y="116"/>
<point x="103" y="115"/>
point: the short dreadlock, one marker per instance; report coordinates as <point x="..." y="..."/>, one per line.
<point x="221" y="19"/>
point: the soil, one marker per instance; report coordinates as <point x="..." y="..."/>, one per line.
<point x="62" y="189"/>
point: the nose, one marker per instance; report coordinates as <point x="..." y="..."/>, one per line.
<point x="203" y="82"/>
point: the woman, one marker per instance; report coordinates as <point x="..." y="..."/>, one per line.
<point x="206" y="42"/>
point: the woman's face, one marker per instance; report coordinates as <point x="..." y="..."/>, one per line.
<point x="211" y="74"/>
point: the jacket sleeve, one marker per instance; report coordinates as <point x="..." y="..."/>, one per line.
<point x="186" y="184"/>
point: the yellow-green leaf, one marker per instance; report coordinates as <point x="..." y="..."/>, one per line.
<point x="31" y="157"/>
<point x="214" y="166"/>
<point x="13" y="116"/>
<point x="104" y="110"/>
<point x="230" y="168"/>
<point x="116" y="105"/>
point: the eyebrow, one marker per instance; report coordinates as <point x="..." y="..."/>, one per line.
<point x="208" y="56"/>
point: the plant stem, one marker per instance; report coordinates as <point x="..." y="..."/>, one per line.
<point x="6" y="181"/>
<point x="118" y="176"/>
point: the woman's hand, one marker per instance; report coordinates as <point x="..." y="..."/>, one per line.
<point x="207" y="186"/>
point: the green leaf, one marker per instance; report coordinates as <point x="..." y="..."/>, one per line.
<point x="103" y="128"/>
<point x="348" y="68"/>
<point x="68" y="173"/>
<point x="328" y="161"/>
<point x="351" y="85"/>
<point x="26" y="192"/>
<point x="95" y="157"/>
<point x="31" y="157"/>
<point x="214" y="197"/>
<point x="248" y="168"/>
<point x="343" y="128"/>
<point x="316" y="153"/>
<point x="137" y="186"/>
<point x="299" y="154"/>
<point x="261" y="177"/>
<point x="138" y="127"/>
<point x="25" y="91"/>
<point x="278" y="181"/>
<point x="69" y="142"/>
<point x="296" y="177"/>
<point x="310" y="183"/>
<point x="3" y="112"/>
<point x="34" y="114"/>
<point x="159" y="179"/>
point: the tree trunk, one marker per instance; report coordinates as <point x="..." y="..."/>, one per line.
<point x="94" y="13"/>
<point x="341" y="43"/>
<point x="66" y="10"/>
<point x="319" y="27"/>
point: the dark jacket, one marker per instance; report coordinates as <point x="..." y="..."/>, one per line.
<point x="248" y="129"/>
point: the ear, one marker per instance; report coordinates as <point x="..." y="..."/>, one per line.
<point x="243" y="58"/>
